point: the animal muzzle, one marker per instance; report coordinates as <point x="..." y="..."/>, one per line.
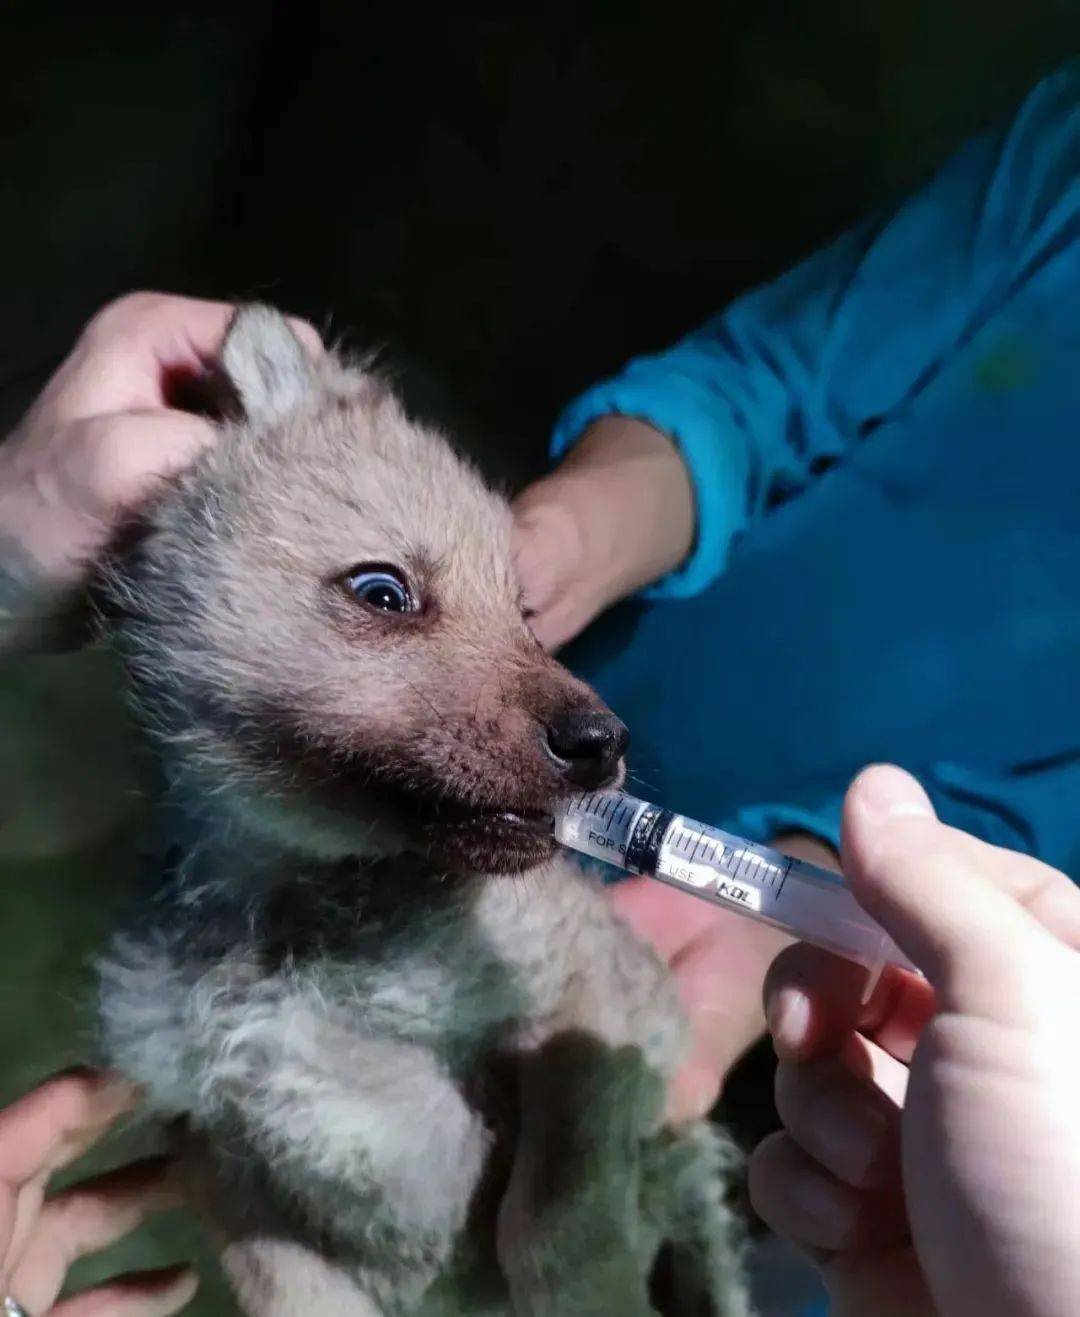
<point x="586" y="746"/>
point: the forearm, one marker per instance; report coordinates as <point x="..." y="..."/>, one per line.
<point x="30" y="605"/>
<point x="37" y="591"/>
<point x="793" y="375"/>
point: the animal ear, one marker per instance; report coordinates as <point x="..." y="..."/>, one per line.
<point x="266" y="364"/>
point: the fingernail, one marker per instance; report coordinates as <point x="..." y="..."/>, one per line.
<point x="788" y="1018"/>
<point x="886" y="793"/>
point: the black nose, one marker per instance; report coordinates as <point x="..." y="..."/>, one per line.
<point x="587" y="746"/>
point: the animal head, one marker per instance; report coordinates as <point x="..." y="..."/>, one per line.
<point x="323" y="626"/>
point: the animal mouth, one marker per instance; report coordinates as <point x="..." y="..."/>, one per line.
<point x="533" y="820"/>
<point x="490" y="840"/>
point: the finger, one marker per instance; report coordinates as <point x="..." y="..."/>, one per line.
<point x="800" y="1200"/>
<point x="56" y="1122"/>
<point x="943" y="902"/>
<point x="703" y="991"/>
<point x="116" y="462"/>
<point x="127" y="349"/>
<point x="668" y="921"/>
<point x="142" y="1294"/>
<point x="716" y="974"/>
<point x="844" y="1121"/>
<point x="85" y="1219"/>
<point x="180" y="331"/>
<point x="46" y="1129"/>
<point x="709" y="950"/>
<point x="814" y="1001"/>
<point x="882" y="794"/>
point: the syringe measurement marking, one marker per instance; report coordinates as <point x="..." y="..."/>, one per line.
<point x="734" y="861"/>
<point x="783" y="878"/>
<point x="723" y="890"/>
<point x="719" y="867"/>
<point x="757" y="869"/>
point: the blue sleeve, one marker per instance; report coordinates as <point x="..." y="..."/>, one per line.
<point x="1031" y="809"/>
<point x="791" y="375"/>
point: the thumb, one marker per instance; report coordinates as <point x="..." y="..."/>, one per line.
<point x="926" y="885"/>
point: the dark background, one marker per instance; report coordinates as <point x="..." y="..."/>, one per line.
<point x="515" y="202"/>
<point x="512" y="203"/>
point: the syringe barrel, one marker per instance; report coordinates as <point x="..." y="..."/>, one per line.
<point x="811" y="904"/>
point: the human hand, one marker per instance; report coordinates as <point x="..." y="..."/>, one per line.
<point x="41" y="1237"/>
<point x="930" y="1157"/>
<point x="718" y="960"/>
<point x="617" y="514"/>
<point x="104" y="433"/>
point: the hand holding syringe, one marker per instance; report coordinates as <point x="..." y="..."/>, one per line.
<point x="811" y="904"/>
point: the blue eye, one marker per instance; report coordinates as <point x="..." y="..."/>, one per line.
<point x="381" y="588"/>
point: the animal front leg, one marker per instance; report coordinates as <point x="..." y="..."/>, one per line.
<point x="357" y="1147"/>
<point x="274" y="1278"/>
<point x="571" y="1235"/>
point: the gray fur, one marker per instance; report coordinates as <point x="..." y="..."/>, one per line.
<point x="267" y="365"/>
<point x="417" y="1063"/>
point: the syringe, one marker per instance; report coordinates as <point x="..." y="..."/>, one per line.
<point x="811" y="904"/>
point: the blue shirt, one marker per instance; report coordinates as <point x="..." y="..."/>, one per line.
<point x="885" y="450"/>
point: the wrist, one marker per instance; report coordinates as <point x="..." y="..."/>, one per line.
<point x="44" y="544"/>
<point x="629" y="494"/>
